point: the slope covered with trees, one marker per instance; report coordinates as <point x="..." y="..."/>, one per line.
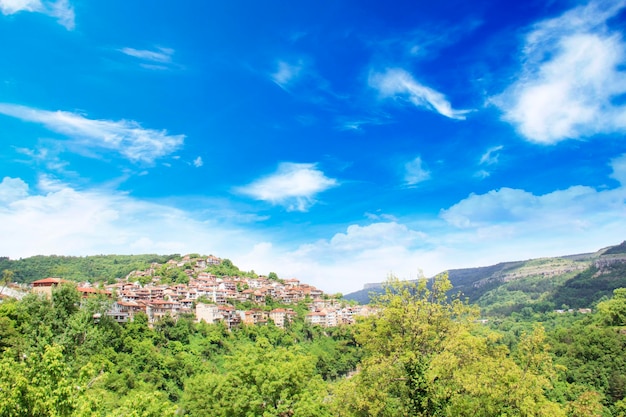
<point x="544" y="284"/>
<point x="423" y="354"/>
<point x="78" y="268"/>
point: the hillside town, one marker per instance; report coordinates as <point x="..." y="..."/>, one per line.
<point x="231" y="300"/>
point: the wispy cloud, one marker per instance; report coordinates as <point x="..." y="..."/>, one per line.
<point x="572" y="70"/>
<point x="60" y="9"/>
<point x="415" y="172"/>
<point x="491" y="156"/>
<point x="162" y="55"/>
<point x="356" y="124"/>
<point x="287" y="73"/>
<point x="198" y="162"/>
<point x="298" y="77"/>
<point x="482" y="174"/>
<point x="425" y="42"/>
<point x="46" y="154"/>
<point x="125" y="137"/>
<point x="158" y="59"/>
<point x="293" y="186"/>
<point x="398" y="83"/>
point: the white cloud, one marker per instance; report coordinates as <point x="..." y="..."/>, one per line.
<point x="350" y="258"/>
<point x="618" y="165"/>
<point x="357" y="124"/>
<point x="12" y="189"/>
<point x="399" y="83"/>
<point x="287" y="73"/>
<point x="482" y="174"/>
<point x="501" y="225"/>
<point x="59" y="219"/>
<point x="13" y="6"/>
<point x="161" y="55"/>
<point x="572" y="71"/>
<point x="571" y="207"/>
<point x="365" y="238"/>
<point x="125" y="137"/>
<point x="198" y="162"/>
<point x="292" y="185"/>
<point x="491" y="156"/>
<point x="61" y="9"/>
<point x="381" y="216"/>
<point x="415" y="172"/>
<point x="51" y="217"/>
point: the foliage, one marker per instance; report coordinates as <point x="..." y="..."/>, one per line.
<point x="75" y="268"/>
<point x="425" y="356"/>
<point x="259" y="381"/>
<point x="422" y="354"/>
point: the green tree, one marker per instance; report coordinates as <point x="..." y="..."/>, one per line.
<point x="259" y="381"/>
<point x="38" y="385"/>
<point x="613" y="311"/>
<point x="425" y="357"/>
<point x="7" y="277"/>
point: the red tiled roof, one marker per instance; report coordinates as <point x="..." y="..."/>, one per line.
<point x="92" y="290"/>
<point x="48" y="281"/>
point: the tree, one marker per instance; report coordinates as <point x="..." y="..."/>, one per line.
<point x="7" y="276"/>
<point x="65" y="300"/>
<point x="424" y="357"/>
<point x="613" y="311"/>
<point x="38" y="385"/>
<point x="259" y="380"/>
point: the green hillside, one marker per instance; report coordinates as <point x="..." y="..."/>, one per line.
<point x="77" y="268"/>
<point x="544" y="284"/>
<point x="423" y="353"/>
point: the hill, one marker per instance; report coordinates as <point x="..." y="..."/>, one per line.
<point x="105" y="268"/>
<point x="572" y="281"/>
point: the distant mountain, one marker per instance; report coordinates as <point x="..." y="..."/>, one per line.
<point x="542" y="284"/>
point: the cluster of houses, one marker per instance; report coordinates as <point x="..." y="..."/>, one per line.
<point x="212" y="298"/>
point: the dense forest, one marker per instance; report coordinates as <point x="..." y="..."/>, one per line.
<point x="425" y="353"/>
<point x="104" y="268"/>
<point x="96" y="268"/>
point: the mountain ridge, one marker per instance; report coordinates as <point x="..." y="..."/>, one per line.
<point x="576" y="280"/>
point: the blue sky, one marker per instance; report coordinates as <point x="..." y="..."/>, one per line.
<point x="333" y="141"/>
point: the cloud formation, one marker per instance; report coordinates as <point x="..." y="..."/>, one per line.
<point x="60" y="9"/>
<point x="572" y="71"/>
<point x="398" y="83"/>
<point x="348" y="259"/>
<point x="293" y="186"/>
<point x="65" y="220"/>
<point x="502" y="225"/>
<point x="162" y="55"/>
<point x="287" y="73"/>
<point x="415" y="172"/>
<point x="125" y="137"/>
<point x="490" y="157"/>
<point x="359" y="238"/>
<point x="573" y="207"/>
<point x="12" y="189"/>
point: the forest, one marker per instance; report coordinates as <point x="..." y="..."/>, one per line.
<point x="98" y="268"/>
<point x="425" y="353"/>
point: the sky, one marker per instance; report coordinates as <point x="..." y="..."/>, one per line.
<point x="334" y="141"/>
